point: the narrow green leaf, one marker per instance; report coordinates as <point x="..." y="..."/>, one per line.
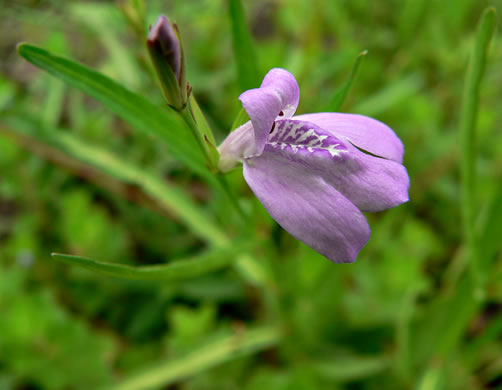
<point x="244" y="51"/>
<point x="207" y="356"/>
<point x="241" y="118"/>
<point x="133" y="108"/>
<point x="468" y="118"/>
<point x="170" y="198"/>
<point x="342" y="92"/>
<point x="176" y="270"/>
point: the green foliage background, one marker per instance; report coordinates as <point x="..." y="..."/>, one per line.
<point x="74" y="178"/>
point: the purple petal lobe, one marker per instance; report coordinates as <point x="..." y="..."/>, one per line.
<point x="287" y="87"/>
<point x="277" y="97"/>
<point x="371" y="183"/>
<point x="307" y="207"/>
<point x="364" y="132"/>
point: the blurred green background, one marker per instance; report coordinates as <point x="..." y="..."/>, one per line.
<point x="398" y="318"/>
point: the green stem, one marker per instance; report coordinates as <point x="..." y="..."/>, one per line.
<point x="189" y="120"/>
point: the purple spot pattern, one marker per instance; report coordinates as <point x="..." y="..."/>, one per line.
<point x="299" y="140"/>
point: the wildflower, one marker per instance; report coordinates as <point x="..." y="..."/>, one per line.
<point x="316" y="173"/>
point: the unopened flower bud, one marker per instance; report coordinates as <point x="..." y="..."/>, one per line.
<point x="166" y="52"/>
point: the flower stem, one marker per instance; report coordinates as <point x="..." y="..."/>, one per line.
<point x="189" y="120"/>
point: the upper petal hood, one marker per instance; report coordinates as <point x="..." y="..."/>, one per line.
<point x="278" y="93"/>
<point x="364" y="132"/>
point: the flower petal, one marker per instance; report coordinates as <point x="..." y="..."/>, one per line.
<point x="364" y="132"/>
<point x="278" y="93"/>
<point x="371" y="183"/>
<point x="307" y="207"/>
<point x="287" y="87"/>
<point x="238" y="145"/>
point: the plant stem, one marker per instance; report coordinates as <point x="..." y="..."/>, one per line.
<point x="187" y="117"/>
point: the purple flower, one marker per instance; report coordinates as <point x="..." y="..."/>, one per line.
<point x="316" y="173"/>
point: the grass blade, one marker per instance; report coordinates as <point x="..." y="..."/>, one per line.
<point x="342" y="92"/>
<point x="468" y="118"/>
<point x="133" y="108"/>
<point x="244" y="51"/>
<point x="176" y="270"/>
<point x="209" y="355"/>
<point x="241" y="118"/>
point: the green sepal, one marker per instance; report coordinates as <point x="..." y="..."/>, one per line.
<point x="205" y="133"/>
